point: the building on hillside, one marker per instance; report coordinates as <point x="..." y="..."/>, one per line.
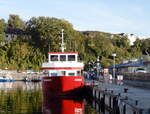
<point x="132" y="38"/>
<point x="14" y="32"/>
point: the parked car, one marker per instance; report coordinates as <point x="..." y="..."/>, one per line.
<point x="140" y="70"/>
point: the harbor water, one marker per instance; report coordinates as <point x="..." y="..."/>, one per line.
<point x="27" y="98"/>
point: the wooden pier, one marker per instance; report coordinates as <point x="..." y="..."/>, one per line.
<point x="120" y="99"/>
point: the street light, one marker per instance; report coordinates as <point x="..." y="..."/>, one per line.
<point x="114" y="55"/>
<point x="98" y="67"/>
<point x="49" y="40"/>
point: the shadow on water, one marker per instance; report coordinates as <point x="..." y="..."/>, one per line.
<point x="27" y="98"/>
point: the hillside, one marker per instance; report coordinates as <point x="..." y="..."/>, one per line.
<point x="26" y="44"/>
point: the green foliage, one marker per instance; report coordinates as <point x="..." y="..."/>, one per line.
<point x="14" y="21"/>
<point x="2" y="29"/>
<point x="45" y="31"/>
<point x="28" y="52"/>
<point x="121" y="42"/>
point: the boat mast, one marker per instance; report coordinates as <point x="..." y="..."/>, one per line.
<point x="62" y="40"/>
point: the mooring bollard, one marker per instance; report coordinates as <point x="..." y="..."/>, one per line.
<point x="136" y="102"/>
<point x="125" y="90"/>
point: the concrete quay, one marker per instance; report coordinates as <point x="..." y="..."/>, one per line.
<point x="121" y="99"/>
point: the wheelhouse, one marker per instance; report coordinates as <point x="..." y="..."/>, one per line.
<point x="63" y="64"/>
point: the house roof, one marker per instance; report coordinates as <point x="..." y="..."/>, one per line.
<point x="123" y="65"/>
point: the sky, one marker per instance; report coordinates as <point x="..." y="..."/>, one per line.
<point x="114" y="16"/>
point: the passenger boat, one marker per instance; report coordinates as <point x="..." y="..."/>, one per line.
<point x="63" y="73"/>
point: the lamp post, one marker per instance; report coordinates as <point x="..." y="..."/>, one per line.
<point x="49" y="40"/>
<point x="114" y="55"/>
<point x="97" y="66"/>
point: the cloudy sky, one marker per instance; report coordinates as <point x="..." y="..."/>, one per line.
<point x="115" y="16"/>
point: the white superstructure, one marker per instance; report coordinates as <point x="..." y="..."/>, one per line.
<point x="63" y="64"/>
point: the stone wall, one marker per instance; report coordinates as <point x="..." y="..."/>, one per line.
<point x="19" y="76"/>
<point x="137" y="76"/>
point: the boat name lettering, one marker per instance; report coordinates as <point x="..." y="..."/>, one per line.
<point x="77" y="79"/>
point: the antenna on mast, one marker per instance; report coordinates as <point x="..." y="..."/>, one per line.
<point x="62" y="40"/>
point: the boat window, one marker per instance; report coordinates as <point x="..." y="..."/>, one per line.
<point x="71" y="74"/>
<point x="53" y="74"/>
<point x="62" y="57"/>
<point x="63" y="73"/>
<point x="54" y="57"/>
<point x="71" y="57"/>
<point x="78" y="73"/>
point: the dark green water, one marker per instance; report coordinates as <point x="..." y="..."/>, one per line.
<point x="27" y="98"/>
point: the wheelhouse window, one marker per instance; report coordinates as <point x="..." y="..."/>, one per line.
<point x="54" y="57"/>
<point x="78" y="73"/>
<point x="71" y="57"/>
<point x="62" y="57"/>
<point x="71" y="74"/>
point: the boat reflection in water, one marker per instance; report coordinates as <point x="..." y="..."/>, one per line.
<point x="28" y="98"/>
<point x="62" y="106"/>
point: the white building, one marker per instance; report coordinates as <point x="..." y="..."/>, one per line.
<point x="132" y="38"/>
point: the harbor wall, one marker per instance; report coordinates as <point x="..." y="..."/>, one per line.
<point x="20" y="75"/>
<point x="137" y="76"/>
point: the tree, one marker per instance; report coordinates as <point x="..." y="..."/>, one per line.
<point x="14" y="21"/>
<point x="2" y="29"/>
<point x="46" y="31"/>
<point x="146" y="47"/>
<point x="122" y="42"/>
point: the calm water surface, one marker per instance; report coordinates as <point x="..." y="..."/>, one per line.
<point x="27" y="98"/>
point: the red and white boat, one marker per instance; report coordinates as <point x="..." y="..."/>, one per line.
<point x="63" y="72"/>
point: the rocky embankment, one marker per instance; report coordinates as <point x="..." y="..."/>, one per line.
<point x="20" y="75"/>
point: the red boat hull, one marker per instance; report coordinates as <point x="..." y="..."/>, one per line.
<point x="62" y="85"/>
